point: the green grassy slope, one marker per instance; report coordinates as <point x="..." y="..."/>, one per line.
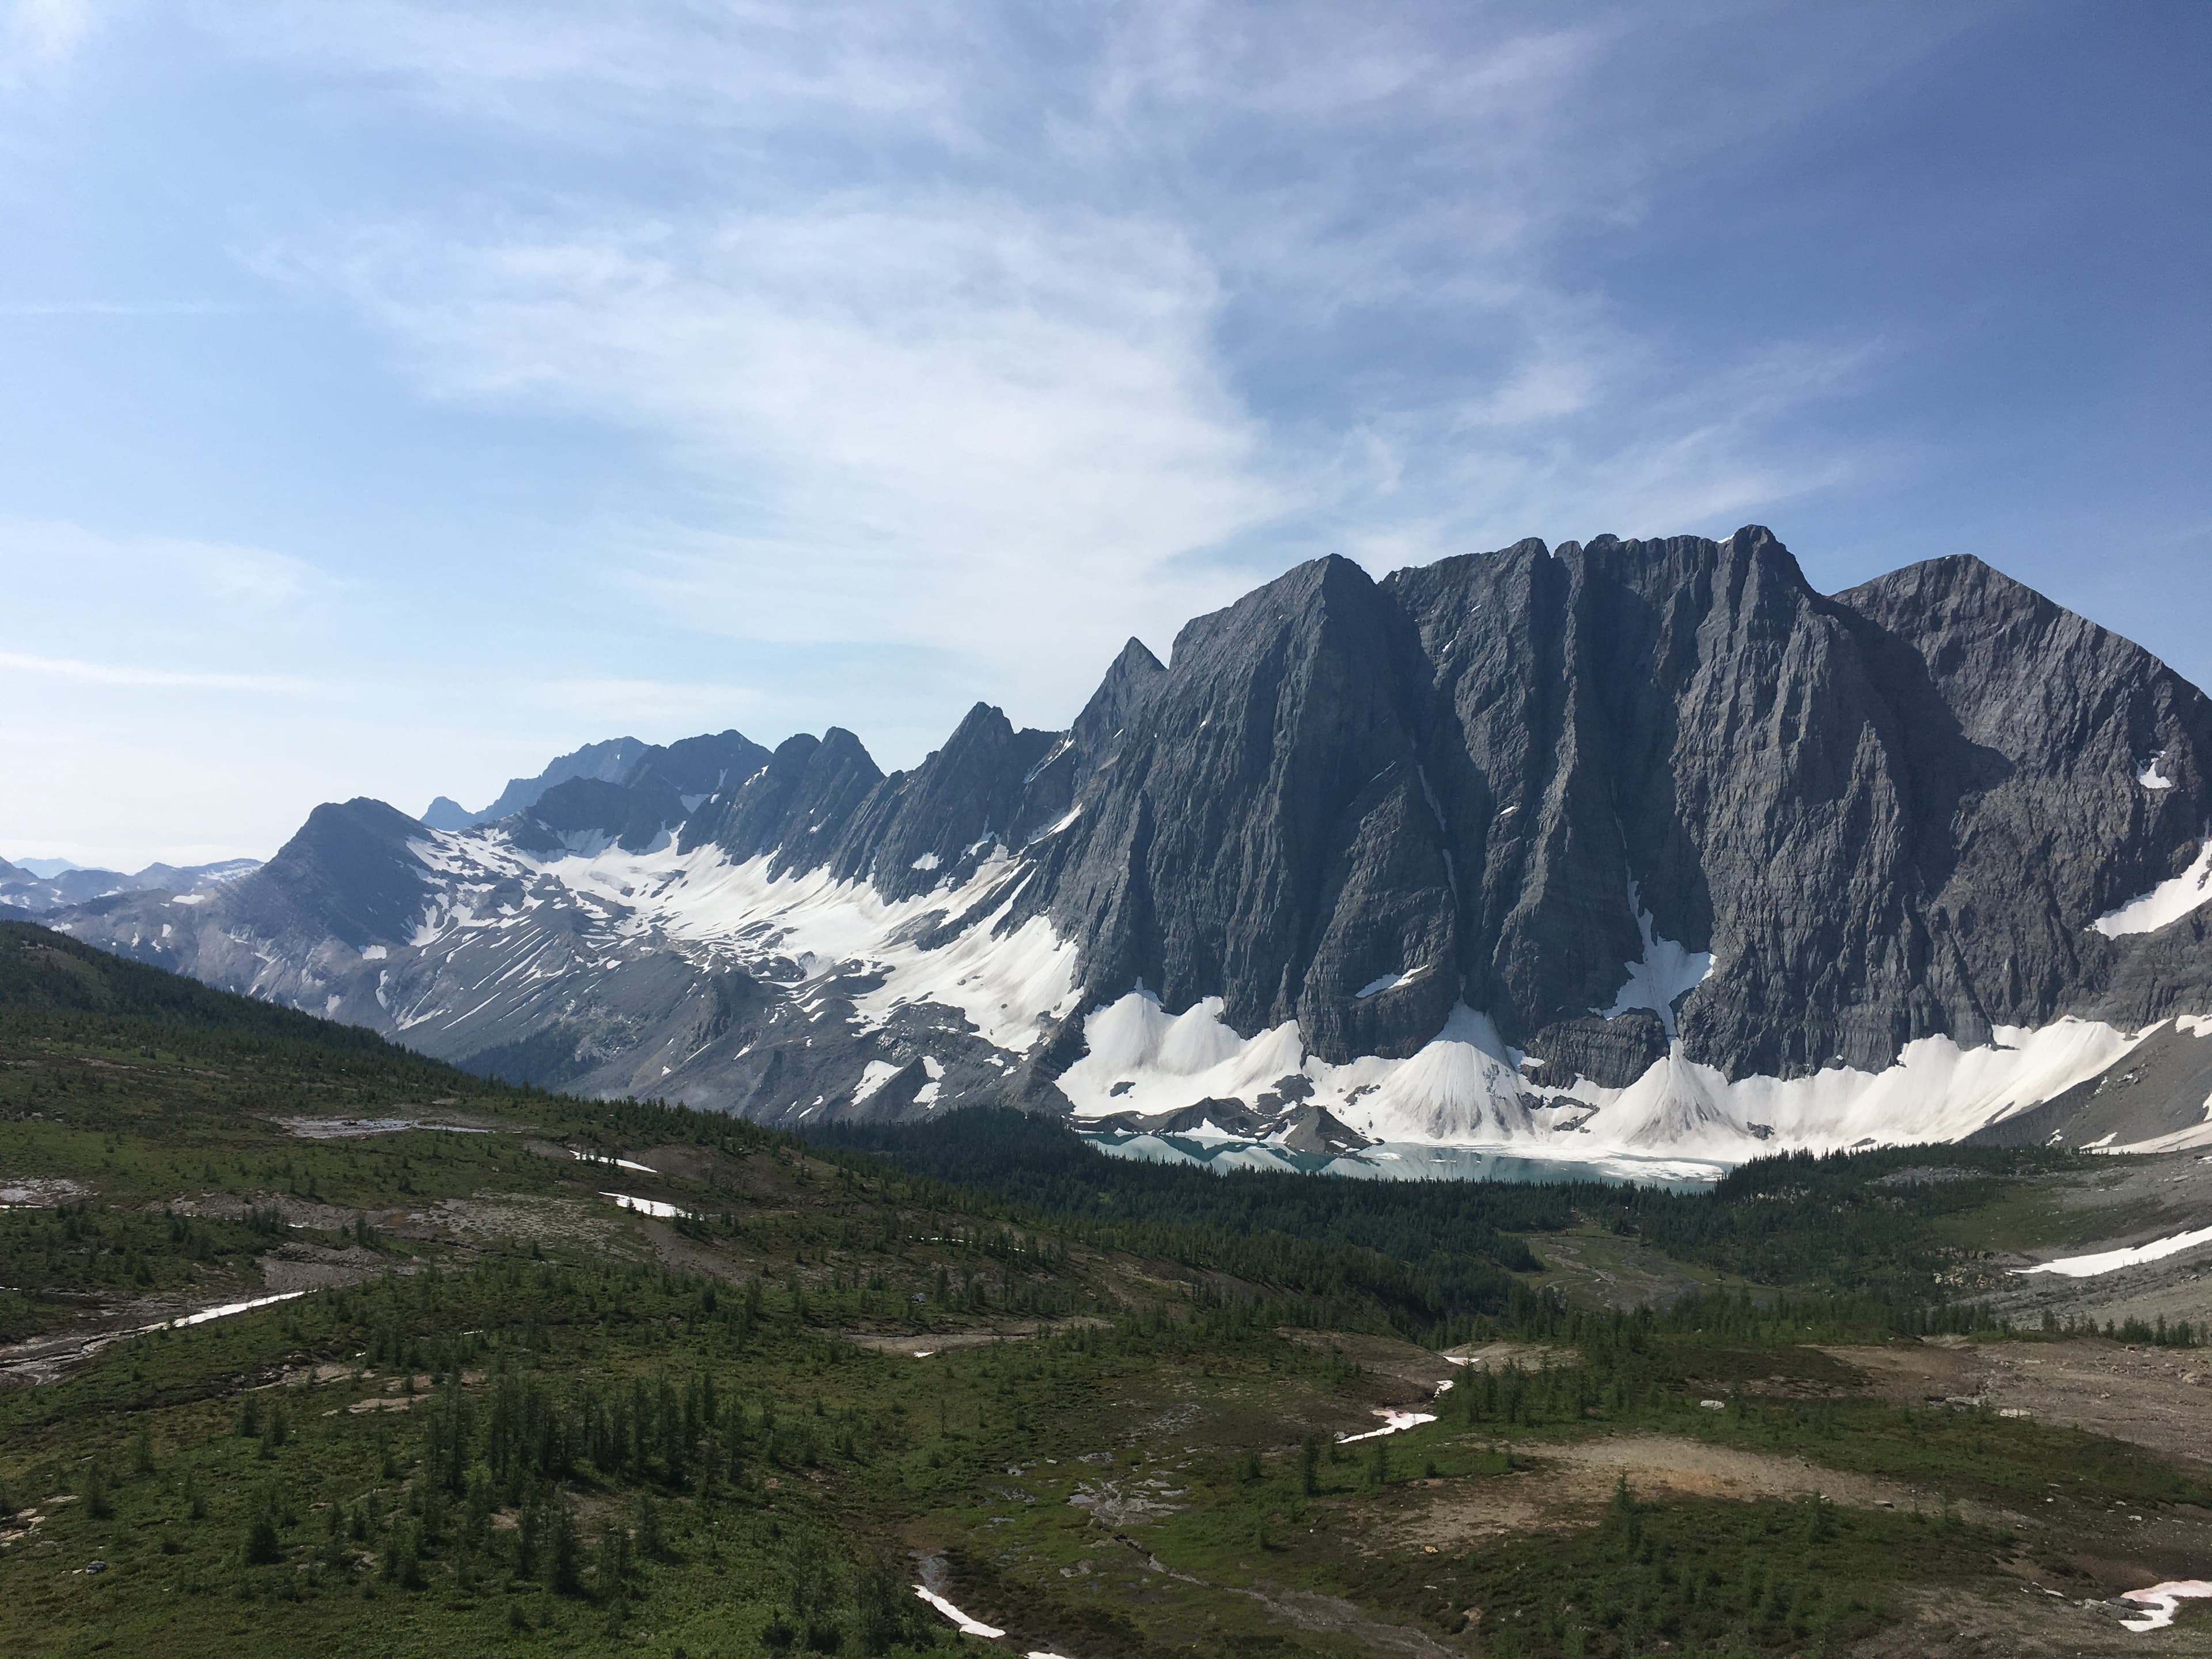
<point x="503" y="1412"/>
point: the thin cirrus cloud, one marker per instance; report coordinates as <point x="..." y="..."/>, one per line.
<point x="670" y="366"/>
<point x="145" y="677"/>
<point x="118" y="308"/>
<point x="76" y="574"/>
<point x="902" y="426"/>
<point x="941" y="315"/>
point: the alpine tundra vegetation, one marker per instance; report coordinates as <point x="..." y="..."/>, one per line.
<point x="310" y="1338"/>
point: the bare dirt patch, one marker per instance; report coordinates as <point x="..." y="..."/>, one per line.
<point x="1331" y="1616"/>
<point x="1404" y="1372"/>
<point x="297" y="1266"/>
<point x="1572" y="1482"/>
<point x="37" y="1192"/>
<point x="25" y="1521"/>
<point x="2157" y="1398"/>
<point x="1128" y="1502"/>
<point x="2030" y="1623"/>
<point x="355" y="1128"/>
<point x="520" y="1216"/>
<point x="1497" y="1356"/>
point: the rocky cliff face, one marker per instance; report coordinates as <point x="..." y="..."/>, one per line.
<point x="1885" y="816"/>
<point x="1643" y="841"/>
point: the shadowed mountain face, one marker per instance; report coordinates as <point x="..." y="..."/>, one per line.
<point x="1545" y="825"/>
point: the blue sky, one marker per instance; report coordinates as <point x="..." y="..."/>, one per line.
<point x="394" y="395"/>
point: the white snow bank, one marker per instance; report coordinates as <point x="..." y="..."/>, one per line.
<point x="1388" y="982"/>
<point x="2164" y="1600"/>
<point x="652" y="1206"/>
<point x="2151" y="777"/>
<point x="1168" y="1061"/>
<point x="618" y="1163"/>
<point x="1935" y="1091"/>
<point x="224" y="1311"/>
<point x="1667" y="973"/>
<point x="2181" y="1140"/>
<point x="967" y="1626"/>
<point x="873" y="1076"/>
<point x="2105" y="1261"/>
<point x="2164" y="904"/>
<point x="1465" y="1088"/>
<point x="1394" y="1422"/>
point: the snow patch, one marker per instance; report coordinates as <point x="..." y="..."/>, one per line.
<point x="2163" y="1601"/>
<point x="374" y="953"/>
<point x="967" y="1626"/>
<point x="2106" y="1261"/>
<point x="1055" y="827"/>
<point x="1394" y="1422"/>
<point x="652" y="1206"/>
<point x="2164" y="904"/>
<point x="224" y="1312"/>
<point x="1388" y="982"/>
<point x="2151" y="777"/>
<point x="926" y="861"/>
<point x="1172" y="1061"/>
<point x="1465" y="1088"/>
<point x="932" y="1068"/>
<point x="1667" y="973"/>
<point x="1008" y="982"/>
<point x="873" y="1076"/>
<point x="613" y="1162"/>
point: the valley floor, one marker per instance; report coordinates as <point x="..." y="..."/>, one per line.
<point x="569" y="1377"/>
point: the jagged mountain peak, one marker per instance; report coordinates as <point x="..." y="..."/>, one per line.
<point x="700" y="765"/>
<point x="1494" y="846"/>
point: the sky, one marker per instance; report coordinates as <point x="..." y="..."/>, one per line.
<point x="395" y="395"/>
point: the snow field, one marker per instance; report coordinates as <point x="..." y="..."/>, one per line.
<point x="2105" y="1261"/>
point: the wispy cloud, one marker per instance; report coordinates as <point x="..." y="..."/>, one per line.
<point x="924" y="424"/>
<point x="151" y="569"/>
<point x="146" y="676"/>
<point x="1003" y="337"/>
<point x="118" y="308"/>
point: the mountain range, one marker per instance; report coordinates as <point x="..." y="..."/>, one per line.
<point x="27" y="890"/>
<point x="1623" y="849"/>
